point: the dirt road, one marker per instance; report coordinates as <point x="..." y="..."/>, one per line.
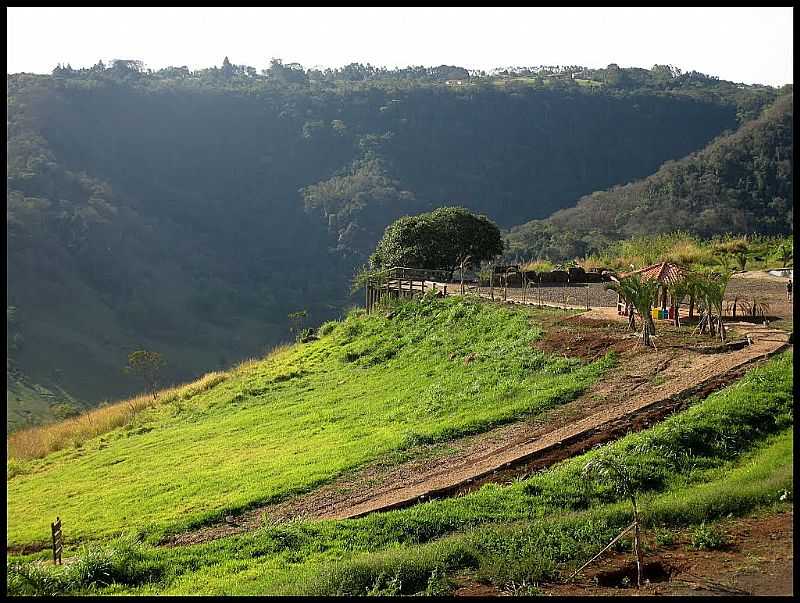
<point x="632" y="396"/>
<point x="480" y="464"/>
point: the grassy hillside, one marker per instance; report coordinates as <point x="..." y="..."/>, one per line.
<point x="727" y="455"/>
<point x="29" y="403"/>
<point x="190" y="212"/>
<point x="428" y="371"/>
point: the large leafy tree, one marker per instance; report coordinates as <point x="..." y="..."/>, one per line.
<point x="438" y="240"/>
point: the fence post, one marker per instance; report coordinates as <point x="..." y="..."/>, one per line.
<point x="58" y="541"/>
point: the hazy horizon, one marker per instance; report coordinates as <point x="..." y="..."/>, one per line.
<point x="747" y="45"/>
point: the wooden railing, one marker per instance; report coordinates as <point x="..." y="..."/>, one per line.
<point x="401" y="281"/>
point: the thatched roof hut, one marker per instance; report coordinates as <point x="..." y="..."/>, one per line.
<point x="666" y="273"/>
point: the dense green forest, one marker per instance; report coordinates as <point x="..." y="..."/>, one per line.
<point x="741" y="183"/>
<point x="189" y="212"/>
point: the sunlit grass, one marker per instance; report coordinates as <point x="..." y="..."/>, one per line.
<point x="729" y="455"/>
<point x="435" y="370"/>
<point x="691" y="251"/>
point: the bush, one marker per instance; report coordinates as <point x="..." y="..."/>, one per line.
<point x="708" y="538"/>
<point x="419" y="570"/>
<point x="664" y="536"/>
<point x="327" y="328"/>
<point x="306" y="335"/>
<point x="123" y="562"/>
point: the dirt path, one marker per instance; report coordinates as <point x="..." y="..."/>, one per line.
<point x="482" y="463"/>
<point x="632" y="396"/>
<point x="758" y="561"/>
<point x="744" y="286"/>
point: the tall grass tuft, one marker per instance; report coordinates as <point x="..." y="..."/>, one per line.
<point x="538" y="266"/>
<point x="688" y="250"/>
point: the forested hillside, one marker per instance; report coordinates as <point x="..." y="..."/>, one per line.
<point x="189" y="212"/>
<point x="741" y="183"/>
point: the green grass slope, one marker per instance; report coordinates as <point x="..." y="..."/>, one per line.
<point x="371" y="385"/>
<point x="730" y="454"/>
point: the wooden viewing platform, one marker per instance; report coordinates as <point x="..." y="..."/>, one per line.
<point x="400" y="281"/>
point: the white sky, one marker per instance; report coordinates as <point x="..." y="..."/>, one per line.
<point x="750" y="45"/>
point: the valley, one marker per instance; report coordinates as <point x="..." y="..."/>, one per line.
<point x="418" y="331"/>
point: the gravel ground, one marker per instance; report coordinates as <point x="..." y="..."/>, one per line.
<point x="572" y="295"/>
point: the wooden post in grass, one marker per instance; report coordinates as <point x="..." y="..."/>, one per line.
<point x="464" y="261"/>
<point x="58" y="541"/>
<point x="539" y="290"/>
<point x="637" y="544"/>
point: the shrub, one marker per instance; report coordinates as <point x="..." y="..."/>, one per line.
<point x="305" y="335"/>
<point x="327" y="328"/>
<point x="538" y="266"/>
<point x="708" y="538"/>
<point x="122" y="562"/>
<point x="664" y="537"/>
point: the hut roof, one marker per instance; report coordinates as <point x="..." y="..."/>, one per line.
<point x="664" y="272"/>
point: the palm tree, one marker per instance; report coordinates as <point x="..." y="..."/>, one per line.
<point x="724" y="261"/>
<point x="678" y="290"/>
<point x="786" y="255"/>
<point x="609" y="470"/>
<point x="741" y="258"/>
<point x="711" y="290"/>
<point x="639" y="294"/>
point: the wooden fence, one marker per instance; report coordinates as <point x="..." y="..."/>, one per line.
<point x="400" y="281"/>
<point x="408" y="282"/>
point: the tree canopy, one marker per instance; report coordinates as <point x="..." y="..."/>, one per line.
<point x="741" y="183"/>
<point x="438" y="240"/>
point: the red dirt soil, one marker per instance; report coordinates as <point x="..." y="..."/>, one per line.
<point x="758" y="561"/>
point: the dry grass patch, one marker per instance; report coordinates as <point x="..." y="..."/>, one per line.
<point x="538" y="266"/>
<point x="38" y="442"/>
